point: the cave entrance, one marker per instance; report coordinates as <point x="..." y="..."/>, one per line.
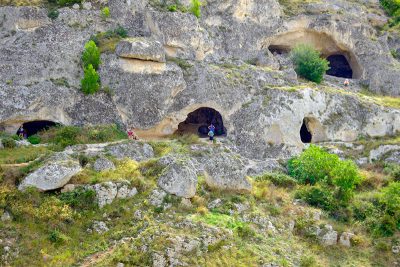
<point x="33" y="127"/>
<point x="339" y="67"/>
<point x="279" y="49"/>
<point x="305" y="134"/>
<point x="312" y="131"/>
<point x="197" y="122"/>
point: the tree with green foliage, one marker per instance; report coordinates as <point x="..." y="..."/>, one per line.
<point x="390" y="197"/>
<point x="195" y="8"/>
<point x="392" y="7"/>
<point x="91" y="55"/>
<point x="90" y="82"/>
<point x="308" y="63"/>
<point x="105" y="12"/>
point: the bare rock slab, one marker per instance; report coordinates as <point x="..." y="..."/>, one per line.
<point x="53" y="175"/>
<point x="141" y="48"/>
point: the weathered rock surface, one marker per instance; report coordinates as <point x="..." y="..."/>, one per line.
<point x="179" y="176"/>
<point x="327" y="235"/>
<point x="141" y="48"/>
<point x="345" y="239"/>
<point x="132" y="150"/>
<point x="103" y="164"/>
<point x="381" y="151"/>
<point x="54" y="174"/>
<point x="108" y="191"/>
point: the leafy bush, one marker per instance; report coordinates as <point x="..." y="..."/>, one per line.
<point x="91" y="55"/>
<point x="345" y="177"/>
<point x="8" y="142"/>
<point x="53" y="14"/>
<point x="57" y="237"/>
<point x="391" y="199"/>
<point x="313" y="165"/>
<point x="80" y="199"/>
<point x="278" y="179"/>
<point x="308" y="63"/>
<point x="34" y="139"/>
<point x="90" y="82"/>
<point x="105" y="12"/>
<point x="120" y="31"/>
<point x="317" y="196"/>
<point x="172" y="8"/>
<point x="391" y="6"/>
<point x="195" y="8"/>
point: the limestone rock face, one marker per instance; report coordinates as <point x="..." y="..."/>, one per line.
<point x="381" y="151"/>
<point x="107" y="192"/>
<point x="141" y="48"/>
<point x="345" y="239"/>
<point x="52" y="175"/>
<point x="133" y="150"/>
<point x="103" y="164"/>
<point x="179" y="177"/>
<point x="327" y="236"/>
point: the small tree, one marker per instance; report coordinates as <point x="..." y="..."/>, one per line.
<point x="196" y="8"/>
<point x="345" y="177"/>
<point x="91" y="55"/>
<point x="308" y="63"/>
<point x="90" y="82"/>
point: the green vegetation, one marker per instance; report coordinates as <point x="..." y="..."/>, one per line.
<point x="107" y="41"/>
<point x="34" y="139"/>
<point x="392" y="8"/>
<point x="105" y="12"/>
<point x="91" y="55"/>
<point x="308" y="63"/>
<point x="66" y="2"/>
<point x="90" y="83"/>
<point x="195" y="8"/>
<point x="53" y="14"/>
<point x="8" y="142"/>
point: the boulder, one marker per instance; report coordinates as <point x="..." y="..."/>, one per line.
<point x="226" y="171"/>
<point x="179" y="177"/>
<point x="157" y="197"/>
<point x="100" y="227"/>
<point x="132" y="150"/>
<point x="141" y="48"/>
<point x="68" y="188"/>
<point x="327" y="235"/>
<point x="345" y="239"/>
<point x="54" y="174"/>
<point x="87" y="5"/>
<point x="381" y="151"/>
<point x="125" y="192"/>
<point x="105" y="193"/>
<point x="6" y="217"/>
<point x="103" y="164"/>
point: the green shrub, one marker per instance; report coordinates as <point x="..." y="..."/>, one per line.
<point x="8" y="142"/>
<point x="105" y="12"/>
<point x="121" y="32"/>
<point x="91" y="55"/>
<point x="57" y="237"/>
<point x="53" y="14"/>
<point x="386" y="226"/>
<point x="308" y="261"/>
<point x="278" y="179"/>
<point x="90" y="82"/>
<point x="390" y="197"/>
<point x="308" y="63"/>
<point x="390" y="6"/>
<point x="172" y="8"/>
<point x="345" y="177"/>
<point x="313" y="165"/>
<point x="80" y="199"/>
<point x="317" y="196"/>
<point x="34" y="139"/>
<point x="195" y="8"/>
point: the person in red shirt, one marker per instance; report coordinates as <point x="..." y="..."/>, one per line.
<point x="131" y="134"/>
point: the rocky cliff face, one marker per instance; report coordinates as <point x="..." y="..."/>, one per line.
<point x="208" y="65"/>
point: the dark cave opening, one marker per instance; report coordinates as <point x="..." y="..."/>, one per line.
<point x="197" y="122"/>
<point x="279" y="49"/>
<point x="305" y="134"/>
<point x="33" y="127"/>
<point x="339" y="67"/>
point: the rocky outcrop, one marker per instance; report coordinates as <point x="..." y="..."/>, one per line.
<point x="385" y="150"/>
<point x="132" y="150"/>
<point x="327" y="235"/>
<point x="345" y="239"/>
<point x="108" y="191"/>
<point x="179" y="177"/>
<point x="54" y="174"/>
<point x="103" y="164"/>
<point x="141" y="48"/>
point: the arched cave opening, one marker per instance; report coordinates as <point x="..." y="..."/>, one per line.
<point x="33" y="127"/>
<point x="279" y="49"/>
<point x="305" y="134"/>
<point x="197" y="122"/>
<point x="339" y="67"/>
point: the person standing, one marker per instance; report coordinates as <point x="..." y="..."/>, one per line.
<point x="21" y="132"/>
<point x="211" y="128"/>
<point x="211" y="135"/>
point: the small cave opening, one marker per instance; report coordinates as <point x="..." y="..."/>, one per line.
<point x="279" y="49"/>
<point x="305" y="134"/>
<point x="339" y="67"/>
<point x="33" y="127"/>
<point x="197" y="122"/>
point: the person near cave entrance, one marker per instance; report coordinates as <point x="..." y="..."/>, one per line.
<point x="211" y="127"/>
<point x="346" y="83"/>
<point x="211" y="135"/>
<point x="21" y="132"/>
<point x="131" y="134"/>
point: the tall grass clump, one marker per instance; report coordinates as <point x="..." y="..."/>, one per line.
<point x="195" y="8"/>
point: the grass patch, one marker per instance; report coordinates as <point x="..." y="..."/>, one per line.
<point x="22" y="154"/>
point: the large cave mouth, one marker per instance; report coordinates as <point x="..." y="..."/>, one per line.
<point x="343" y="61"/>
<point x="33" y="127"/>
<point x="197" y="122"/>
<point x="339" y="67"/>
<point x="305" y="134"/>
